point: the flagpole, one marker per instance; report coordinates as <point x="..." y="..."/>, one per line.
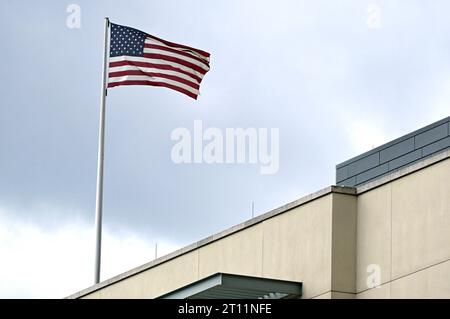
<point x="101" y="142"/>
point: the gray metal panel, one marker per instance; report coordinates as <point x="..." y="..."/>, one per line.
<point x="397" y="150"/>
<point x="403" y="151"/>
<point x="261" y="284"/>
<point x="405" y="159"/>
<point x="228" y="286"/>
<point x="341" y="174"/>
<point x="431" y="136"/>
<point x="219" y="293"/>
<point x="398" y="140"/>
<point x="372" y="173"/>
<point x="363" y="164"/>
<point x="436" y="147"/>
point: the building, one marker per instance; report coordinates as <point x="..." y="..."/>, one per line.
<point x="383" y="232"/>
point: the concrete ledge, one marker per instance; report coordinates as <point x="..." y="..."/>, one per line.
<point x="210" y="239"/>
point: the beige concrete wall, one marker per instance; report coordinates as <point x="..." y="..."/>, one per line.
<point x="404" y="227"/>
<point x="343" y="265"/>
<point x="296" y="245"/>
<point x="239" y="253"/>
<point x="374" y="235"/>
<point x="335" y="295"/>
<point x="380" y="292"/>
<point x="432" y="282"/>
<point x="156" y="281"/>
<point x="421" y="219"/>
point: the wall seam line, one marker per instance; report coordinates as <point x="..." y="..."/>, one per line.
<point x="392" y="240"/>
<point x="407" y="275"/>
<point x="341" y="292"/>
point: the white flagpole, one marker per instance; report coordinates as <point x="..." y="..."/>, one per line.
<point x="101" y="142"/>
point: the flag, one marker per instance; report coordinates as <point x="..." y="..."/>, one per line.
<point x="137" y="58"/>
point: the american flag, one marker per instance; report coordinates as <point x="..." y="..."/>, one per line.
<point x="137" y="58"/>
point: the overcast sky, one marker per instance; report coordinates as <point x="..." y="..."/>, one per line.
<point x="335" y="77"/>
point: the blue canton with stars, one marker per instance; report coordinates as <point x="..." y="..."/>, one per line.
<point x="126" y="41"/>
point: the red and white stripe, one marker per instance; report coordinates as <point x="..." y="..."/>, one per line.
<point x="164" y="64"/>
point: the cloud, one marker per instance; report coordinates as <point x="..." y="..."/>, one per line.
<point x="364" y="135"/>
<point x="43" y="262"/>
<point x="314" y="69"/>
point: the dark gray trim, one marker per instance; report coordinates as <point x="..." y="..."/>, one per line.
<point x="230" y="286"/>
